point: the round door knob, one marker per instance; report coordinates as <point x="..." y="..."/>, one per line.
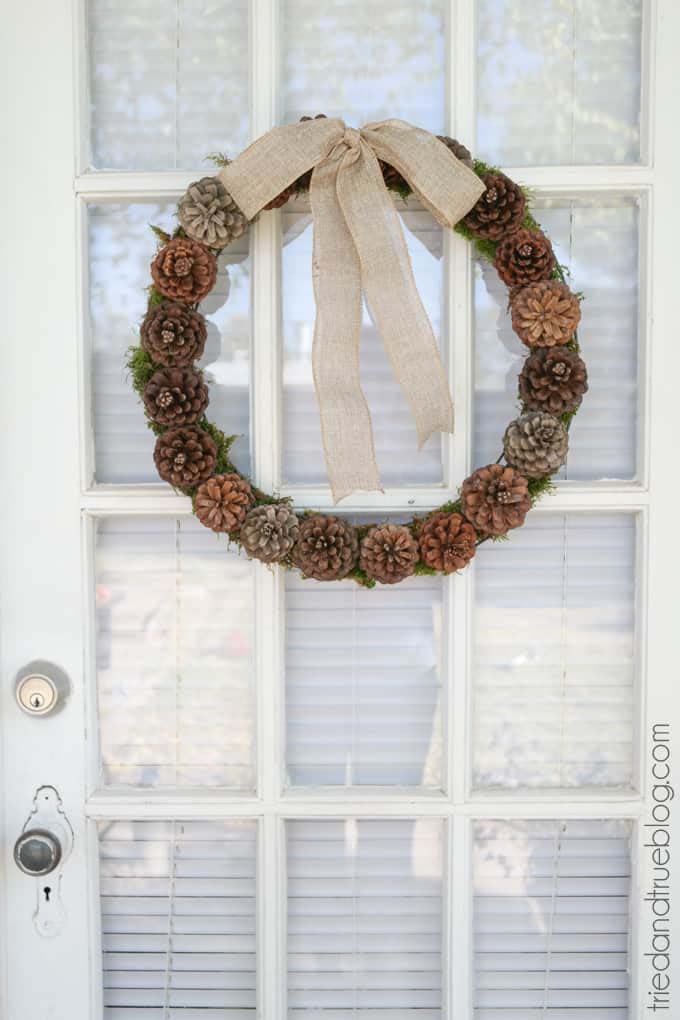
<point x="37" y="852"/>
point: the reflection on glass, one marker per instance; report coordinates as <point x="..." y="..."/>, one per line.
<point x="554" y="654"/>
<point x="174" y="656"/>
<point x="558" y="82"/>
<point x="168" y="82"/>
<point x="598" y="240"/>
<point x="121" y="247"/>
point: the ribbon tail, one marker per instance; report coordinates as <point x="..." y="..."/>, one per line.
<point x="345" y="418"/>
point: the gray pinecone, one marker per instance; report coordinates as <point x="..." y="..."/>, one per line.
<point x="209" y="214"/>
<point x="269" y="532"/>
<point x="536" y="444"/>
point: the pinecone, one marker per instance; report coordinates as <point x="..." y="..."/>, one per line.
<point x="269" y="532"/>
<point x="524" y="257"/>
<point x="302" y="184"/>
<point x="394" y="180"/>
<point x="173" y="334"/>
<point x="175" y="396"/>
<point x="499" y="211"/>
<point x="545" y="313"/>
<point x="458" y="150"/>
<point x="495" y="499"/>
<point x="209" y="214"/>
<point x="327" y="548"/>
<point x="222" y="502"/>
<point x="388" y="553"/>
<point x="553" y="379"/>
<point x="184" y="270"/>
<point x="447" y="542"/>
<point x="536" y="444"/>
<point x="185" y="457"/>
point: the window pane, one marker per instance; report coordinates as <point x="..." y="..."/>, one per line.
<point x="598" y="240"/>
<point x="174" y="655"/>
<point x="551" y="919"/>
<point x="558" y="82"/>
<point x="178" y="919"/>
<point x="554" y="654"/>
<point x="365" y="919"/>
<point x="121" y="247"/>
<point x="364" y="683"/>
<point x="168" y="81"/>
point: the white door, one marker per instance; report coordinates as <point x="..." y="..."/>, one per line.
<point x="447" y="800"/>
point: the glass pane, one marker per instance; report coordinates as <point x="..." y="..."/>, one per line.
<point x="178" y="919"/>
<point x="598" y="240"/>
<point x="365" y="919"/>
<point x="174" y="655"/>
<point x="558" y="81"/>
<point x="394" y="431"/>
<point x="364" y="683"/>
<point x="551" y="919"/>
<point x="554" y="654"/>
<point x="121" y="246"/>
<point x="365" y="61"/>
<point x="168" y="81"/>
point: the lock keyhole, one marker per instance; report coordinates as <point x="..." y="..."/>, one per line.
<point x="47" y="892"/>
<point x="37" y="700"/>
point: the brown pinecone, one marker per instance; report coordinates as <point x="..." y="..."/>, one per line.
<point x="553" y="379"/>
<point x="458" y="150"/>
<point x="393" y="179"/>
<point x="175" y="396"/>
<point x="208" y="213"/>
<point x="524" y="257"/>
<point x="536" y="444"/>
<point x="269" y="532"/>
<point x="302" y="184"/>
<point x="388" y="553"/>
<point x="499" y="211"/>
<point x="545" y="313"/>
<point x="327" y="548"/>
<point x="184" y="270"/>
<point x="173" y="334"/>
<point x="447" y="542"/>
<point x="185" y="457"/>
<point x="495" y="499"/>
<point x="222" y="502"/>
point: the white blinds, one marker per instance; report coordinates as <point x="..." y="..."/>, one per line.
<point x="178" y="919"/>
<point x="364" y="919"/>
<point x="363" y="683"/>
<point x="551" y="920"/>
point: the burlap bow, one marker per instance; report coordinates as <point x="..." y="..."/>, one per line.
<point x="359" y="245"/>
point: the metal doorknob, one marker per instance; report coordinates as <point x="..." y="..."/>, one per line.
<point x="37" y="852"/>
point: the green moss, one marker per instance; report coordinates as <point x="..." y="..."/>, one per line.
<point x="361" y="577"/>
<point x="140" y="367"/>
<point x="218" y="159"/>
<point x="162" y="235"/>
<point x="538" y="487"/>
<point x="223" y="464"/>
<point x="422" y="570"/>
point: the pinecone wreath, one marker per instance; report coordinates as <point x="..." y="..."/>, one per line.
<point x="173" y="335"/>
<point x="222" y="502"/>
<point x="269" y="532"/>
<point x="536" y="444"/>
<point x="209" y="214"/>
<point x="447" y="542"/>
<point x="184" y="270"/>
<point x="553" y="379"/>
<point x="524" y="257"/>
<point x="388" y="553"/>
<point x="499" y="211"/>
<point x="545" y="314"/>
<point x="185" y="457"/>
<point x="495" y="499"/>
<point x="175" y="396"/>
<point x="326" y="549"/>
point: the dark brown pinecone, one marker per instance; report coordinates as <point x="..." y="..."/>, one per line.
<point x="447" y="542"/>
<point x="394" y="180"/>
<point x="553" y="379"/>
<point x="388" y="553"/>
<point x="302" y="184"/>
<point x="524" y="257"/>
<point x="222" y="502"/>
<point x="458" y="150"/>
<point x="495" y="499"/>
<point x="173" y="334"/>
<point x="184" y="270"/>
<point x="499" y="211"/>
<point x="269" y="532"/>
<point x="208" y="213"/>
<point x="175" y="396"/>
<point x="536" y="444"/>
<point x="545" y="314"/>
<point x="185" y="457"/>
<point x="326" y="549"/>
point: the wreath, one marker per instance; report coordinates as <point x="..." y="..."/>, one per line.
<point x="348" y="174"/>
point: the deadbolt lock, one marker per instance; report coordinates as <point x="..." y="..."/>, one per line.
<point x="41" y="688"/>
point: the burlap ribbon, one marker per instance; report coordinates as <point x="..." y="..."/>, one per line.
<point x="359" y="245"/>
